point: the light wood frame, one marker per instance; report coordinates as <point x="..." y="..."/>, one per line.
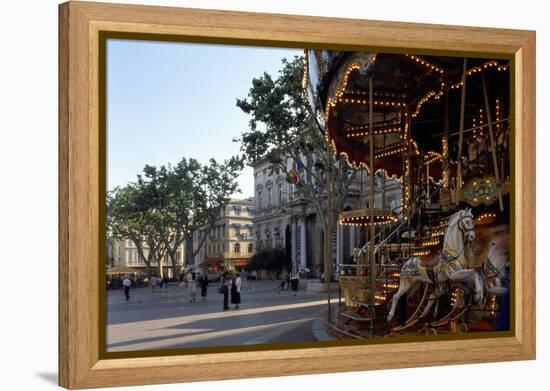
<point x="80" y="365"/>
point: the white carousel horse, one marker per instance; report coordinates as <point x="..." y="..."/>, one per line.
<point x="451" y="264"/>
<point x="494" y="267"/>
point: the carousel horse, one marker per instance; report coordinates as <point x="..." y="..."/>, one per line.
<point x="494" y="271"/>
<point x="450" y="265"/>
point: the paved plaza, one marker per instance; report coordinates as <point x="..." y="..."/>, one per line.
<point x="167" y="319"/>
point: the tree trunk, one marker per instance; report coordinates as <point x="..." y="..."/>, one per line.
<point x="159" y="266"/>
<point x="150" y="257"/>
<point x="174" y="264"/>
<point x="188" y="251"/>
<point x="141" y="255"/>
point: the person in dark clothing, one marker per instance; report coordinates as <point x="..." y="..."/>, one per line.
<point x="127" y="283"/>
<point x="225" y="290"/>
<point x="203" y="282"/>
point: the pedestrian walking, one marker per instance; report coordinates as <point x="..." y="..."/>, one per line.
<point x="236" y="291"/>
<point x="203" y="282"/>
<point x="127" y="283"/>
<point x="282" y="285"/>
<point x="165" y="283"/>
<point x="191" y="286"/>
<point x="244" y="282"/>
<point x="224" y="289"/>
<point x="154" y="283"/>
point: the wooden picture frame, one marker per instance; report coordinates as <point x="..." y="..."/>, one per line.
<point x="81" y="164"/>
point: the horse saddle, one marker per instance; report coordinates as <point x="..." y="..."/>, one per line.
<point x="429" y="262"/>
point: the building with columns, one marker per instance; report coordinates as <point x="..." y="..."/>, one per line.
<point x="285" y="220"/>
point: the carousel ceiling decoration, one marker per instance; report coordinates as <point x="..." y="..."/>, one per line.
<point x="483" y="191"/>
<point x="363" y="217"/>
<point x="485" y="218"/>
<point x="404" y="85"/>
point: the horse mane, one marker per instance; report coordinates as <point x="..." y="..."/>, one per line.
<point x="453" y="220"/>
<point x="453" y="226"/>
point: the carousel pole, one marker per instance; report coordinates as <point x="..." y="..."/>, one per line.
<point x="385" y="258"/>
<point x="492" y="141"/>
<point x="428" y="183"/>
<point x="461" y="132"/>
<point x="328" y="234"/>
<point x="372" y="233"/>
<point x="445" y="141"/>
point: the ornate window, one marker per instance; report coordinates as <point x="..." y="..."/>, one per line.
<point x="237" y="248"/>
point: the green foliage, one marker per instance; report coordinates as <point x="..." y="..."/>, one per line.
<point x="169" y="203"/>
<point x="269" y="259"/>
<point x="280" y="119"/>
<point x="283" y="131"/>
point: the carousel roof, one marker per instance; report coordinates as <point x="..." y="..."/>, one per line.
<point x="410" y="97"/>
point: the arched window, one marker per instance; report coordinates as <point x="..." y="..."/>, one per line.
<point x="250" y="248"/>
<point x="237" y="248"/>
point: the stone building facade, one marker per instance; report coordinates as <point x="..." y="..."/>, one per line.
<point x="123" y="253"/>
<point x="285" y="220"/>
<point x="229" y="244"/>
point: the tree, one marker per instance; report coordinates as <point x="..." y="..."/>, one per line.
<point x="272" y="260"/>
<point x="282" y="130"/>
<point x="127" y="218"/>
<point x="197" y="194"/>
<point x="167" y="205"/>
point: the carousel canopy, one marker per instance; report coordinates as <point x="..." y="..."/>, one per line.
<point x="414" y="98"/>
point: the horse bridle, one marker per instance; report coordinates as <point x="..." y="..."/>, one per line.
<point x="496" y="272"/>
<point x="462" y="227"/>
<point x="464" y="231"/>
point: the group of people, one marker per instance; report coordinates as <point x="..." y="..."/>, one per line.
<point x="288" y="283"/>
<point x="158" y="282"/>
<point x="192" y="280"/>
<point x="229" y="286"/>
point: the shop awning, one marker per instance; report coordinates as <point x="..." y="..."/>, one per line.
<point x="122" y="270"/>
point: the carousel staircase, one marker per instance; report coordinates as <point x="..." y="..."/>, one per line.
<point x="356" y="316"/>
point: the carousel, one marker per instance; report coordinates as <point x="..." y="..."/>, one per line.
<point x="438" y="262"/>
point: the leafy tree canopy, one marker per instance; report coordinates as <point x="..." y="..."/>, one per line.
<point x="167" y="204"/>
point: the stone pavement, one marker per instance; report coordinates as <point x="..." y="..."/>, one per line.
<point x="165" y="320"/>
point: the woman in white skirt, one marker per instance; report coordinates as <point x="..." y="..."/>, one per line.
<point x="191" y="286"/>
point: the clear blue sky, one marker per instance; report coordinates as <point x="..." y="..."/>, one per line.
<point x="169" y="100"/>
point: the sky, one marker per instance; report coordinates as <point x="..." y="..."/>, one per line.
<point x="166" y="101"/>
